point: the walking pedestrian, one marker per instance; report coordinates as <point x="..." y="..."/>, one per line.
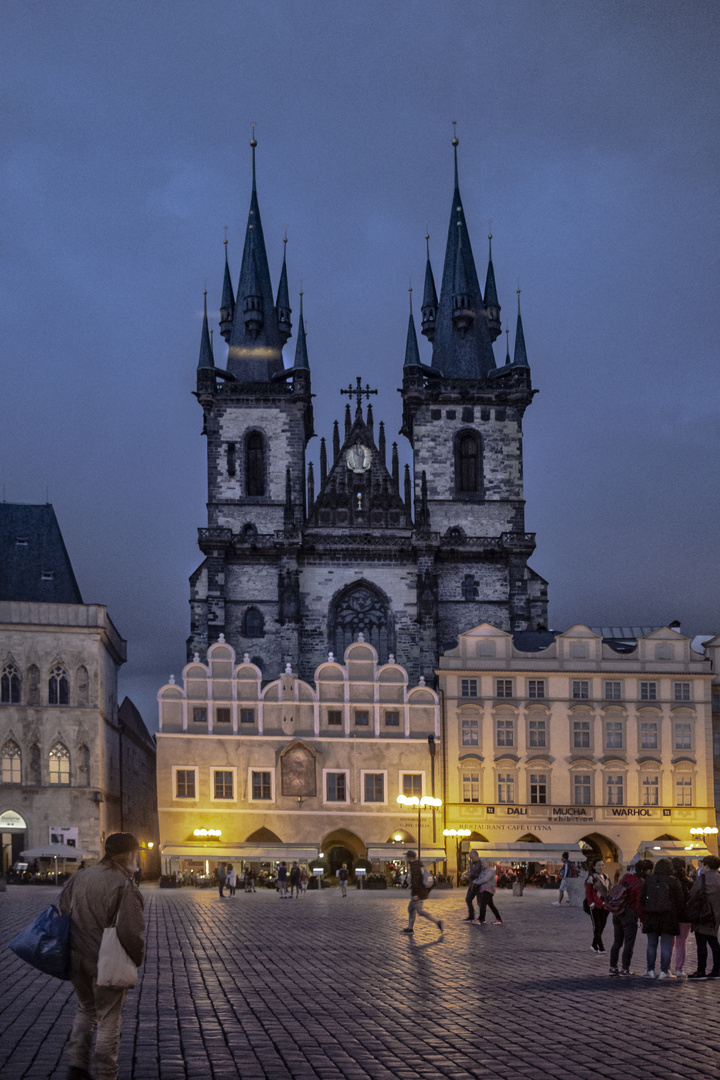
<point x="249" y="880"/>
<point x="221" y="875"/>
<point x="486" y="891"/>
<point x="304" y="878"/>
<point x="282" y="880"/>
<point x="419" y="892"/>
<point x="343" y="879"/>
<point x="624" y="903"/>
<point x="471" y="875"/>
<point x="661" y="899"/>
<point x="95" y="897"/>
<point x="295" y="881"/>
<point x="231" y="878"/>
<point x="567" y="871"/>
<point x="679" y="867"/>
<point x="597" y="887"/>
<point x="706" y="892"/>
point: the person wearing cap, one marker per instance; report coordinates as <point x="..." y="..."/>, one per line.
<point x="418" y="893"/>
<point x="94" y="897"/>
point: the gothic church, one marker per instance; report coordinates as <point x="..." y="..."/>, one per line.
<point x="291" y="573"/>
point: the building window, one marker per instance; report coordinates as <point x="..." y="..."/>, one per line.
<point x="648" y="691"/>
<point x="261" y="786"/>
<point x="683" y="736"/>
<point x="468" y="687"/>
<point x="362" y="718"/>
<point x="361" y="608"/>
<point x="581" y="789"/>
<point x="59" y="764"/>
<point x="82" y="686"/>
<point x="681" y="691"/>
<point x="650" y="789"/>
<point x="471" y="787"/>
<point x="506" y="787"/>
<point x="58" y="686"/>
<point x="412" y="784"/>
<point x="538" y="789"/>
<point x="470" y="732"/>
<point x="334" y="717"/>
<point x="11" y="763"/>
<point x="255" y="464"/>
<point x="537" y="733"/>
<point x="613" y="735"/>
<point x="615" y="790"/>
<point x="223" y="784"/>
<point x="253" y="624"/>
<point x="470" y="588"/>
<point x="336" y="787"/>
<point x="581" y="689"/>
<point x="648" y="735"/>
<point x="199" y="716"/>
<point x="612" y="691"/>
<point x="581" y="734"/>
<point x="185" y="784"/>
<point x="374" y="787"/>
<point x="231" y="459"/>
<point x="536" y="688"/>
<point x="223" y="716"/>
<point x="10" y="685"/>
<point x="503" y="688"/>
<point x="505" y="733"/>
<point x="683" y="791"/>
<point x="247" y="716"/>
<point x="467" y="463"/>
<point x="392" y="719"/>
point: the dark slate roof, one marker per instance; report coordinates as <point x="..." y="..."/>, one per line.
<point x="34" y="563"/>
<point x="301" y="353"/>
<point x="133" y="721"/>
<point x="520" y="356"/>
<point x="533" y="640"/>
<point x="412" y="353"/>
<point x="206" y="359"/>
<point x="491" y="296"/>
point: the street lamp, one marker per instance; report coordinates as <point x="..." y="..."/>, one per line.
<point x="459" y="835"/>
<point x="412" y="800"/>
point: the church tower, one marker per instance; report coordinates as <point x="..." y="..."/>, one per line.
<point x="463" y="416"/>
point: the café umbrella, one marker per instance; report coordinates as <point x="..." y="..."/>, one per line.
<point x="56" y="851"/>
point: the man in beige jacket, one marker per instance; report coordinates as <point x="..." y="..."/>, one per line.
<point x="94" y="896"/>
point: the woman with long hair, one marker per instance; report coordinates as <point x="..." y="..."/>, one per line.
<point x="597" y="887"/>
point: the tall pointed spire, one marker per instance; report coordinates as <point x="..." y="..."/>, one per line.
<point x="206" y="351"/>
<point x="336" y="441"/>
<point x="348" y="420"/>
<point x="520" y="355"/>
<point x="370" y="422"/>
<point x="430" y="300"/>
<point x="395" y="467"/>
<point x="323" y="462"/>
<point x="507" y="345"/>
<point x="227" y="304"/>
<point x="381" y="443"/>
<point x="412" y="353"/>
<point x="301" y="354"/>
<point x="284" y="311"/>
<point x="255" y="346"/>
<point x="310" y="487"/>
<point x="491" y="307"/>
<point x="462" y="348"/>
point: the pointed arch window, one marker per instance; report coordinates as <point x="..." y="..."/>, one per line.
<point x="59" y="764"/>
<point x="11" y="763"/>
<point x="254" y="464"/>
<point x="361" y="609"/>
<point x="83" y="766"/>
<point x="33" y="685"/>
<point x="58" y="686"/>
<point x="10" y="684"/>
<point x="253" y="623"/>
<point x="468" y="463"/>
<point x="82" y="686"/>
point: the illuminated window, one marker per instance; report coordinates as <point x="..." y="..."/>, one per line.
<point x="59" y="764"/>
<point x="615" y="790"/>
<point x="185" y="784"/>
<point x="58" y="686"/>
<point x="470" y="732"/>
<point x="506" y="787"/>
<point x="11" y="763"/>
<point x="261" y="786"/>
<point x="471" y="787"/>
<point x="223" y="784"/>
<point x="581" y="789"/>
<point x="538" y="789"/>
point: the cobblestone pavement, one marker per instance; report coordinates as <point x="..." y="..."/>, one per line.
<point x="328" y="987"/>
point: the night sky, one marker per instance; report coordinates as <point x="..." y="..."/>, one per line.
<point x="588" y="134"/>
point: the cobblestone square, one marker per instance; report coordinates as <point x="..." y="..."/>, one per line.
<point x="325" y="987"/>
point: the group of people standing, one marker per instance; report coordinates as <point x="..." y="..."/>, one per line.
<point x="227" y="879"/>
<point x="480" y="877"/>
<point x="668" y="903"/>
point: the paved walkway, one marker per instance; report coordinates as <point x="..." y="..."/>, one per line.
<point x="265" y="989"/>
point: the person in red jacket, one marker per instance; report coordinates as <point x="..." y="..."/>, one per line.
<point x="597" y="887"/>
<point x="625" y="922"/>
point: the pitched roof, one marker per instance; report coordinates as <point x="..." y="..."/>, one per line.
<point x="129" y="716"/>
<point x="34" y="563"/>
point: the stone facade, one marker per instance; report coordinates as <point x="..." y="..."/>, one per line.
<point x="574" y="737"/>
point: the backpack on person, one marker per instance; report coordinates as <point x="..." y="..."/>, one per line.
<point x="657" y="894"/>
<point x="428" y="879"/>
<point x="616" y="900"/>
<point x="572" y="870"/>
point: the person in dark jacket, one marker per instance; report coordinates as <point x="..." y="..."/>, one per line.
<point x="597" y="887"/>
<point x="471" y="875"/>
<point x="661" y="900"/>
<point x="625" y="923"/>
<point x="418" y="894"/>
<point x="295" y="881"/>
<point x="680" y="872"/>
<point x="706" y="933"/>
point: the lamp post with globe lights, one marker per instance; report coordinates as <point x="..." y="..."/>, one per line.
<point x="414" y="801"/>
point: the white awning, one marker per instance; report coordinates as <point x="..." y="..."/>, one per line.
<point x="670" y="849"/>
<point x="540" y="853"/>
<point x="396" y="852"/>
<point x="255" y="852"/>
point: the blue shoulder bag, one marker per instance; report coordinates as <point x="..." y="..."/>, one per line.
<point x="45" y="944"/>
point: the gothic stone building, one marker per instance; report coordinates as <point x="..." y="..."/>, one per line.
<point x="291" y="572"/>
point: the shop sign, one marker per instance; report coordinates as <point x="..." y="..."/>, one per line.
<point x="570" y="815"/>
<point x="627" y="811"/>
<point x="59" y="834"/>
<point x="11" y="820"/>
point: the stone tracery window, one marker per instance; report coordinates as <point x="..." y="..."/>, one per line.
<point x="58" y="686"/>
<point x="253" y="623"/>
<point x="10" y="684"/>
<point x="59" y="764"/>
<point x="254" y="464"/>
<point x="468" y="463"/>
<point x="361" y="609"/>
<point x="11" y="763"/>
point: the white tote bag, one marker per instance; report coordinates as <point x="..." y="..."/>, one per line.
<point x="115" y="968"/>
